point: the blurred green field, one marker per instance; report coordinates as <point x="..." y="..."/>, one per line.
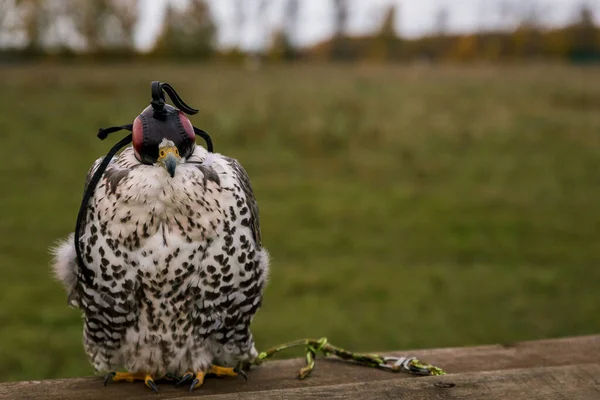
<point x="404" y="207"/>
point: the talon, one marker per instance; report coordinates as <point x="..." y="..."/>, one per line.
<point x="109" y="377"/>
<point x="150" y="383"/>
<point x="186" y="377"/>
<point x="241" y="372"/>
<point x="198" y="381"/>
<point x="193" y="385"/>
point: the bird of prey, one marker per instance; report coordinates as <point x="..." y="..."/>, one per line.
<point x="166" y="262"/>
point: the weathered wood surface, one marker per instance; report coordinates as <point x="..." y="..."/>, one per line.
<point x="546" y="369"/>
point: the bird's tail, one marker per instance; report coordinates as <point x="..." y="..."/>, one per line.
<point x="64" y="263"/>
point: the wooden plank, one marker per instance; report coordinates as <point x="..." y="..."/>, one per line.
<point x="572" y="382"/>
<point x="281" y="375"/>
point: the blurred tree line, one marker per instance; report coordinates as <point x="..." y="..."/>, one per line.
<point x="104" y="29"/>
<point x="577" y="42"/>
<point x="100" y="29"/>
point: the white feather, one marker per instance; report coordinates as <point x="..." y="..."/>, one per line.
<point x="64" y="264"/>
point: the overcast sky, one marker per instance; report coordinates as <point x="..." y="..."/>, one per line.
<point x="416" y="17"/>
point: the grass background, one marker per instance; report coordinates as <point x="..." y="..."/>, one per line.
<point x="404" y="207"/>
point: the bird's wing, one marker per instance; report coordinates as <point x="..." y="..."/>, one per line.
<point x="95" y="219"/>
<point x="243" y="181"/>
<point x="106" y="242"/>
<point x="234" y="270"/>
<point x="103" y="240"/>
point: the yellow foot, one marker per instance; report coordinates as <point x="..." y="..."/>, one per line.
<point x="198" y="377"/>
<point x="131" y="377"/>
<point x="221" y="371"/>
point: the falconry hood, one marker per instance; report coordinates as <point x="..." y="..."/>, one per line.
<point x="158" y="121"/>
<point x="161" y="121"/>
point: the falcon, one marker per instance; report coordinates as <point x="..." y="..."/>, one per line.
<point x="166" y="261"/>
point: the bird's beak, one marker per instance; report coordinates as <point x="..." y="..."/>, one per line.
<point x="170" y="162"/>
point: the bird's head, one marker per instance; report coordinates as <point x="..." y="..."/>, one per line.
<point x="168" y="156"/>
<point x="149" y="133"/>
